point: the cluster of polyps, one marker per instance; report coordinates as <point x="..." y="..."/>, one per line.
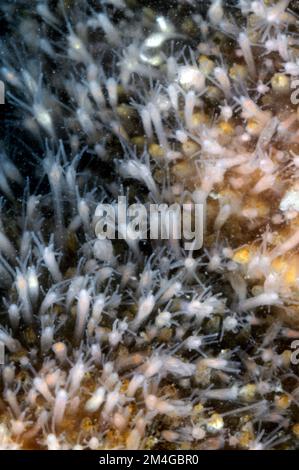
<point x="109" y="347"/>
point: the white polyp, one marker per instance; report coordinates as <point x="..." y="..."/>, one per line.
<point x="11" y="77"/>
<point x="11" y="399"/>
<point x="191" y="77"/>
<point x="223" y="80"/>
<point x="112" y="400"/>
<point x="46" y="339"/>
<point x="59" y="407"/>
<point x="172" y="68"/>
<point x="267" y="165"/>
<point x="51" y="263"/>
<point x="111" y="85"/>
<point x="98" y="307"/>
<point x="178" y="368"/>
<point x="85" y="121"/>
<point x="76" y="375"/>
<point x="49" y="300"/>
<point x="145" y="308"/>
<point x="176" y="408"/>
<point x="93" y="443"/>
<point x="153" y="366"/>
<point x="220" y="364"/>
<point x="31" y="209"/>
<point x="11" y="171"/>
<point x="163" y="319"/>
<point x="33" y="284"/>
<point x="44" y="118"/>
<point x="275" y="12"/>
<point x="60" y="351"/>
<point x="76" y="285"/>
<point x="114" y="338"/>
<point x="151" y="402"/>
<point x="181" y="136"/>
<point x="97" y="399"/>
<point x="30" y="82"/>
<point x="40" y="423"/>
<point x="43" y="10"/>
<point x="46" y="47"/>
<point x="172" y="290"/>
<point x="226" y="112"/>
<point x="97" y="92"/>
<point x="22" y="289"/>
<point x="170" y="436"/>
<point x="133" y="439"/>
<point x="193" y="343"/>
<point x="222" y="216"/>
<point x="251" y="110"/>
<point x="215" y="12"/>
<point x="77" y="51"/>
<point x="120" y="421"/>
<point x="84" y="214"/>
<point x="158" y="125"/>
<point x="4" y="186"/>
<point x="53" y="378"/>
<point x="230" y="323"/>
<point x="214" y="148"/>
<point x="139" y="171"/>
<point x="14" y="316"/>
<point x="112" y="380"/>
<point x="56" y="180"/>
<point x="7" y="247"/>
<point x="108" y="369"/>
<point x="18" y="427"/>
<point x="42" y="387"/>
<point x="244" y="43"/>
<point x="10" y="343"/>
<point x="52" y="442"/>
<point x="96" y="353"/>
<point x="103" y="250"/>
<point x="288" y="245"/>
<point x="83" y="305"/>
<point x="258" y="8"/>
<point x="103" y="274"/>
<point x="292" y="68"/>
<point x="266" y="182"/>
<point x="74" y="405"/>
<point x="8" y="375"/>
<point x="197" y="308"/>
<point x="31" y="397"/>
<point x="135" y="383"/>
<point x="108" y="28"/>
<point x="225" y="394"/>
<point x="262" y="88"/>
<point x="264" y="299"/>
<point x="147" y="123"/>
<point x="190" y="100"/>
<point x="173" y="94"/>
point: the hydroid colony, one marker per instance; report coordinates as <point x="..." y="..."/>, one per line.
<point x="131" y="345"/>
